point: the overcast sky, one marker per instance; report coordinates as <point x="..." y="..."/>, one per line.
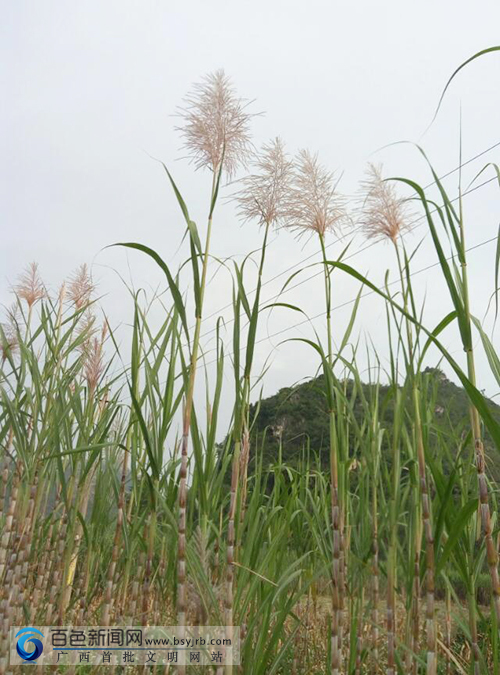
<point x="89" y="90"/>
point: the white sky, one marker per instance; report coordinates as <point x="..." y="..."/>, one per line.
<point x="89" y="89"/>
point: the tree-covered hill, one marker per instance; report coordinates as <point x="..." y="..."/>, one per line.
<point x="297" y="417"/>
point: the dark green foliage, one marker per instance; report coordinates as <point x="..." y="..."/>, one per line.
<point x="297" y="417"/>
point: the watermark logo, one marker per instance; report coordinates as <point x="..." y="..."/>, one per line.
<point x="28" y="636"/>
<point x="124" y="646"/>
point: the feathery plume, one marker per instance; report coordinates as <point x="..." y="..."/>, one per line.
<point x="94" y="366"/>
<point x="313" y="203"/>
<point x="30" y="286"/>
<point x="9" y="337"/>
<point x="81" y="287"/>
<point x="216" y="125"/>
<point x="384" y="214"/>
<point x="86" y="329"/>
<point x="263" y="194"/>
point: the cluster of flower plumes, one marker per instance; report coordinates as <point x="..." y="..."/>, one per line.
<point x="295" y="193"/>
<point x="77" y="293"/>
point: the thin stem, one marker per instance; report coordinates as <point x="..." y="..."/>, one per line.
<point x="485" y="514"/>
<point x="338" y="561"/>
<point x="188" y="406"/>
<point x="431" y="631"/>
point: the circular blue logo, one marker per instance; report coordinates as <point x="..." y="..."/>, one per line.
<point x="27" y="635"/>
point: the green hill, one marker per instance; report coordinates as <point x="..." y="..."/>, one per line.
<point x="297" y="416"/>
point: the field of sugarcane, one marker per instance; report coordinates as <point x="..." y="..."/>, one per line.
<point x="123" y="501"/>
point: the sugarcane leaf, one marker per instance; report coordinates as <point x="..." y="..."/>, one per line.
<point x="491" y="355"/>
<point x="488" y="50"/>
<point x="176" y="294"/>
<point x="475" y="397"/>
<point x="456" y="529"/>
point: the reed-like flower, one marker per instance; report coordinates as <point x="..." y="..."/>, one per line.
<point x="263" y="194"/>
<point x="30" y="286"/>
<point x="383" y="214"/>
<point x="216" y="125"/>
<point x="86" y="327"/>
<point x="94" y="364"/>
<point x="9" y="339"/>
<point x="313" y="203"/>
<point x="81" y="287"/>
